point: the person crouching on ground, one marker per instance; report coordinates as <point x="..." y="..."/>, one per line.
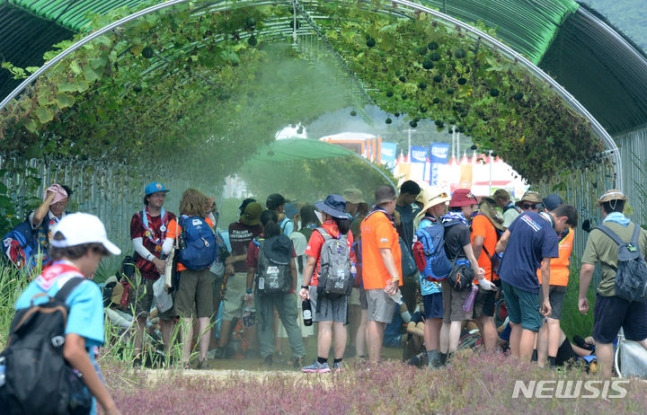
<point x="78" y="244"/>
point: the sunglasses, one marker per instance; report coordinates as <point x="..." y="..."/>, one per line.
<point x="527" y="206"/>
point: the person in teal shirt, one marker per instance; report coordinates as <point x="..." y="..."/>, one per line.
<point x="78" y="244"/>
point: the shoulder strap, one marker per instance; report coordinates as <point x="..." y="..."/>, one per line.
<point x="323" y="233"/>
<point x="67" y="288"/>
<point x="634" y="237"/>
<point x="611" y="234"/>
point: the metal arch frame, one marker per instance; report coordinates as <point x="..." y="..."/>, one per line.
<point x="612" y="148"/>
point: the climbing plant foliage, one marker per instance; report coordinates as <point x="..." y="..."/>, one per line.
<point x="211" y="85"/>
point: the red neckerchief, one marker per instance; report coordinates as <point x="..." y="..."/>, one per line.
<point x="52" y="273"/>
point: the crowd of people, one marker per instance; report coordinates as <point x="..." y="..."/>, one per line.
<point x="347" y="262"/>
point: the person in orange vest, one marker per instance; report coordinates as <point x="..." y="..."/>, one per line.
<point x="549" y="333"/>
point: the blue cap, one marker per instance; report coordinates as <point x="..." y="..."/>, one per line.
<point x="552" y="201"/>
<point x="154" y="187"/>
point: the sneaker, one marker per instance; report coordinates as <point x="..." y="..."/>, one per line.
<point x="137" y="363"/>
<point x="338" y="366"/>
<point x="202" y="364"/>
<point x="316" y="367"/>
<point x="268" y="361"/>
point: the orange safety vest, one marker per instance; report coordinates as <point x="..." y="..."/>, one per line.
<point x="559" y="267"/>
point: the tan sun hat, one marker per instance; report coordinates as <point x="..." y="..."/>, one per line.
<point x="353" y="196"/>
<point x="487" y="207"/>
<point x="431" y="196"/>
<point x="428" y="197"/>
<point x="531" y="197"/>
<point x="611" y="194"/>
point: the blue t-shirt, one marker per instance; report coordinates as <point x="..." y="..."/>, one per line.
<point x="532" y="238"/>
<point x="287" y="226"/>
<point x="85" y="317"/>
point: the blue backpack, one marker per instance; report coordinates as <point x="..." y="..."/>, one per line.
<point x="433" y="241"/>
<point x="20" y="245"/>
<point x="198" y="246"/>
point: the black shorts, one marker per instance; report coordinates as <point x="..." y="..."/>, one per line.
<point x="484" y="303"/>
<point x="611" y="313"/>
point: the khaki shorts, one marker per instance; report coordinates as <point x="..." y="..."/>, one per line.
<point x="380" y="306"/>
<point x="453" y="304"/>
<point x="194" y="297"/>
<point x="236" y="287"/>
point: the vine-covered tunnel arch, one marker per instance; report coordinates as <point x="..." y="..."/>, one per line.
<point x="478" y="84"/>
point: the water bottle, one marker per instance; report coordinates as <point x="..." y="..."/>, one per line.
<point x="469" y="301"/>
<point x="397" y="297"/>
<point x="3" y="368"/>
<point x="249" y="316"/>
<point x="307" y="312"/>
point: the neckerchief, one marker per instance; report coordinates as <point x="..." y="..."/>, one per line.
<point x="452" y="216"/>
<point x="617" y="217"/>
<point x="150" y="233"/>
<point x="57" y="269"/>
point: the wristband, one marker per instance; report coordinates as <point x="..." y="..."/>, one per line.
<point x="304" y="287"/>
<point x="249" y="291"/>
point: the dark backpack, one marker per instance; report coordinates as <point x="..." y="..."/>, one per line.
<point x="631" y="274"/>
<point x="38" y="380"/>
<point x="273" y="271"/>
<point x="335" y="279"/>
<point x="432" y="238"/>
<point x="20" y="245"/>
<point x="198" y="246"/>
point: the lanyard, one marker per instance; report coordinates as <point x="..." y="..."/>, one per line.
<point x="150" y="233"/>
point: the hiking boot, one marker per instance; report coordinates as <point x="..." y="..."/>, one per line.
<point x="268" y="361"/>
<point x="338" y="366"/>
<point x="434" y="360"/>
<point x="316" y="367"/>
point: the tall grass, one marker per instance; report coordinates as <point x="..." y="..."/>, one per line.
<point x="573" y="322"/>
<point x="473" y="383"/>
<point x="12" y="283"/>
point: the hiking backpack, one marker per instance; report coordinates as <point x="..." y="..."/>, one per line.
<point x="20" y="245"/>
<point x="198" y="246"/>
<point x="432" y="238"/>
<point x="274" y="275"/>
<point x="38" y="380"/>
<point x="335" y="279"/>
<point x="631" y="274"/>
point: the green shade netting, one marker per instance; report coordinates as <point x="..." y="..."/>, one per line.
<point x="527" y="26"/>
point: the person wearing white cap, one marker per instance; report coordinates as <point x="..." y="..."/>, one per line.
<point x="78" y="244"/>
<point x="611" y="311"/>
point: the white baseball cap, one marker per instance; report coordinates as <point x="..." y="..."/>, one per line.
<point x="82" y="228"/>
